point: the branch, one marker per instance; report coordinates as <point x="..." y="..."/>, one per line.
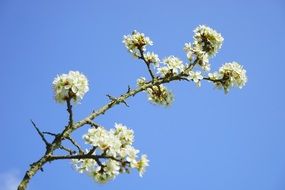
<point x="49" y="133"/>
<point x="92" y="124"/>
<point x="75" y="144"/>
<point x="73" y="126"/>
<point x="83" y="156"/>
<point x="146" y="62"/>
<point x="41" y="134"/>
<point x="114" y="99"/>
<point x="67" y="150"/>
<point x="69" y="109"/>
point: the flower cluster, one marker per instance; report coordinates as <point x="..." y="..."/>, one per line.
<point x="158" y="94"/>
<point x="151" y="57"/>
<point x="207" y="40"/>
<point x="173" y="66"/>
<point x="206" y="44"/>
<point x="136" y="42"/>
<point x="229" y="75"/>
<point x="114" y="151"/>
<point x="71" y="86"/>
<point x="198" y="55"/>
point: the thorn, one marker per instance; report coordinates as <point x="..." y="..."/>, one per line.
<point x="124" y="102"/>
<point x="111" y="97"/>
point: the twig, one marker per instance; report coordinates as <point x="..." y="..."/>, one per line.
<point x="41" y="134"/>
<point x="69" y="110"/>
<point x="92" y="150"/>
<point x="146" y="62"/>
<point x="49" y="133"/>
<point x="92" y="124"/>
<point x="75" y="144"/>
<point x="71" y="152"/>
<point x="115" y="100"/>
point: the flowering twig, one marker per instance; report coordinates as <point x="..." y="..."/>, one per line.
<point x="70" y="128"/>
<point x="206" y="44"/>
<point x="146" y="62"/>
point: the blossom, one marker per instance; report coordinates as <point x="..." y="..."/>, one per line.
<point x="84" y="165"/>
<point x="151" y="57"/>
<point x="201" y="58"/>
<point x="173" y="65"/>
<point x="114" y="152"/>
<point x="71" y="86"/>
<point x="207" y="40"/>
<point x="136" y="42"/>
<point x="125" y="135"/>
<point x="105" y="173"/>
<point x="129" y="153"/>
<point x="141" y="81"/>
<point x="196" y="77"/>
<point x="160" y="95"/>
<point x="142" y="164"/>
<point x="229" y="75"/>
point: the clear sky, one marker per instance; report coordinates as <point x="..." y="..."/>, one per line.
<point x="205" y="141"/>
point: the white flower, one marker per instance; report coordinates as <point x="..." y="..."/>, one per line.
<point x="84" y="165"/>
<point x="160" y="95"/>
<point x="187" y="47"/>
<point x="125" y="135"/>
<point x="114" y="151"/>
<point x="207" y="40"/>
<point x="112" y="167"/>
<point x="173" y="65"/>
<point x="101" y="176"/>
<point x="97" y="137"/>
<point x="229" y="75"/>
<point x="129" y="153"/>
<point x="194" y="53"/>
<point x="142" y="164"/>
<point x="70" y="86"/>
<point x="141" y="81"/>
<point x="163" y="71"/>
<point x="151" y="57"/>
<point x="135" y="42"/>
<point x="196" y="77"/>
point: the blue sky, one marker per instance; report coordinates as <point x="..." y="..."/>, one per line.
<point x="205" y="140"/>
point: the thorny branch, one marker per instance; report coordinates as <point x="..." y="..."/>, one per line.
<point x="75" y="144"/>
<point x="65" y="134"/>
<point x="41" y="134"/>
